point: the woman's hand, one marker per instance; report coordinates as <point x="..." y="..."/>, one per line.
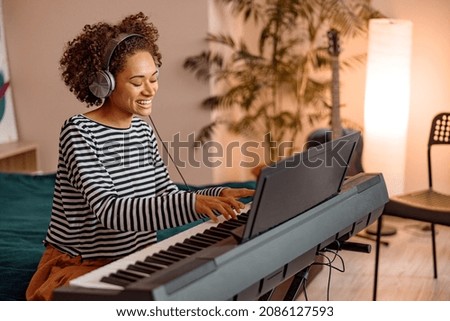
<point x="226" y="204"/>
<point x="237" y="192"/>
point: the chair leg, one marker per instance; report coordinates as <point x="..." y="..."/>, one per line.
<point x="377" y="256"/>
<point x="433" y="241"/>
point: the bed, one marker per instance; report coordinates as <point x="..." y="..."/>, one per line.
<point x="25" y="206"/>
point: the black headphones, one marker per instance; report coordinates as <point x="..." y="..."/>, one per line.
<point x="104" y="83"/>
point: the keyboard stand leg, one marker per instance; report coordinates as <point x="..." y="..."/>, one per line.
<point x="297" y="284"/>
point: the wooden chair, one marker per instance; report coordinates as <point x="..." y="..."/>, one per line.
<point x="426" y="205"/>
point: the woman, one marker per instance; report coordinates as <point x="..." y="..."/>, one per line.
<point x="112" y="190"/>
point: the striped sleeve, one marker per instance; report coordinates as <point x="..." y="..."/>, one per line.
<point x="113" y="194"/>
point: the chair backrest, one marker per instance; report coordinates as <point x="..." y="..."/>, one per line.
<point x="439" y="134"/>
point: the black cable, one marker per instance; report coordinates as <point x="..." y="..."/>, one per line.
<point x="168" y="153"/>
<point x="331" y="266"/>
<point x="329" y="275"/>
<point x="337" y="255"/>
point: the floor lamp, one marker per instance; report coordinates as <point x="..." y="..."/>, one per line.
<point x="386" y="106"/>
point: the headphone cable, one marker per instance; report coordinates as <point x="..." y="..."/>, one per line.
<point x="168" y="153"/>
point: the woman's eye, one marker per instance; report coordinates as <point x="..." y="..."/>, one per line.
<point x="136" y="84"/>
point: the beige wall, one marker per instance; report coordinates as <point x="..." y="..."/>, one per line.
<point x="36" y="31"/>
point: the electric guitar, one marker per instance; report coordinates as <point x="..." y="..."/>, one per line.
<point x="320" y="136"/>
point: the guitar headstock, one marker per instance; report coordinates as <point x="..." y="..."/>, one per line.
<point x="333" y="42"/>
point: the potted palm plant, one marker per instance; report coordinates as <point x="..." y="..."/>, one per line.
<point x="278" y="88"/>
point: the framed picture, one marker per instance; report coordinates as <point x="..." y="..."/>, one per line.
<point x="8" y="129"/>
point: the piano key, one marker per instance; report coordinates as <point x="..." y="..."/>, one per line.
<point x="145" y="267"/>
<point x="224" y="231"/>
<point x="131" y="274"/>
<point x="173" y="254"/>
<point x="141" y="268"/>
<point x="209" y="237"/>
<point x="181" y="248"/>
<point x="217" y="233"/>
<point x="150" y="265"/>
<point x="232" y="223"/>
<point x="196" y="248"/>
<point x="195" y="242"/>
<point x="243" y="218"/>
<point x="115" y="281"/>
<point x="122" y="278"/>
<point x="227" y="227"/>
<point x="119" y="278"/>
<point x="203" y="239"/>
<point x="169" y="257"/>
<point x="158" y="261"/>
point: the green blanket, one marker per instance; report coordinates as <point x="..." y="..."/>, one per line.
<point x="25" y="207"/>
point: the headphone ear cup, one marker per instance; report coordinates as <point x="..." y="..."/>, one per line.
<point x="103" y="84"/>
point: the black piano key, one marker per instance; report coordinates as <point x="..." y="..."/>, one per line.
<point x="142" y="268"/>
<point x="182" y="248"/>
<point x="226" y="226"/>
<point x="174" y="254"/>
<point x="199" y="238"/>
<point x="150" y="265"/>
<point x="209" y="235"/>
<point x="214" y="232"/>
<point x="158" y="261"/>
<point x="195" y="242"/>
<point x="234" y="223"/>
<point x="167" y="257"/>
<point x="115" y="280"/>
<point x="240" y="220"/>
<point x="130" y="274"/>
<point x="206" y="238"/>
<point x="243" y="217"/>
<point x="223" y="226"/>
<point x="191" y="246"/>
<point x="222" y="231"/>
<point x="119" y="279"/>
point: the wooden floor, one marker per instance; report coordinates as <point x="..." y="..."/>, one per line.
<point x="405" y="271"/>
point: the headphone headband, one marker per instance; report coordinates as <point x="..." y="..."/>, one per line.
<point x="112" y="45"/>
<point x="104" y="82"/>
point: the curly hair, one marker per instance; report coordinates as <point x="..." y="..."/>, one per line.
<point x="84" y="55"/>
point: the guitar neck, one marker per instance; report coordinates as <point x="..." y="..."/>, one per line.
<point x="336" y="126"/>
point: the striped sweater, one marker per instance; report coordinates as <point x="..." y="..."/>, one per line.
<point x="112" y="191"/>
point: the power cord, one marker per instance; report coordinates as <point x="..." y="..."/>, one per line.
<point x="330" y="265"/>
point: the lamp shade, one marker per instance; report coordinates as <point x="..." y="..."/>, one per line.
<point x="387" y="96"/>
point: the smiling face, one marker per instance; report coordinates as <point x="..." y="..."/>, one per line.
<point x="136" y="86"/>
